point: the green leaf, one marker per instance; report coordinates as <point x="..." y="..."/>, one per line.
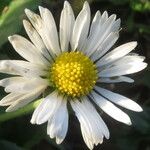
<point x="11" y="19"/>
<point x="141" y="6"/>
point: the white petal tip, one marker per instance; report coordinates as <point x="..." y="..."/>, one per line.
<point x="138" y="109"/>
<point x="25" y="21"/>
<point x="40" y="8"/>
<point x="10" y="38"/>
<point x="27" y="11"/>
<point x="2" y="104"/>
<point x="98" y="13"/>
<point x="59" y="141"/>
<point x="129" y="123"/>
<point x="6" y="110"/>
<point x="131" y="81"/>
<point x="9" y="110"/>
<point x="105" y="12"/>
<point x="86" y="5"/>
<point x="134" y="44"/>
<point x="107" y="136"/>
<point x="32" y="121"/>
<point x="145" y="65"/>
<point x="66" y="3"/>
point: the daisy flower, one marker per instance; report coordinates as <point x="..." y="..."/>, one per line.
<point x="68" y="67"/>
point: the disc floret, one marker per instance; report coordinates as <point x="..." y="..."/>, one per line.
<point x="73" y="74"/>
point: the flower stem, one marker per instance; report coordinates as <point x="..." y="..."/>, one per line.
<point x="20" y="112"/>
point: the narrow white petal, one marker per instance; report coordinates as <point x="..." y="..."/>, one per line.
<point x="117" y="53"/>
<point x="26" y="49"/>
<point x="120" y="100"/>
<point x="48" y="107"/>
<point x="34" y="19"/>
<point x="111" y="109"/>
<point x="100" y="35"/>
<point x="36" y="39"/>
<point x="81" y="28"/>
<point x="129" y="59"/>
<point x="67" y="21"/>
<point x="104" y="17"/>
<point x="25" y="99"/>
<point x="10" y="98"/>
<point x="23" y="68"/>
<point x="92" y="126"/>
<point x="105" y="46"/>
<point x="24" y="85"/>
<point x="94" y="29"/>
<point x="12" y="80"/>
<point x="50" y="30"/>
<point x="116" y="79"/>
<point x="123" y="69"/>
<point x="58" y="123"/>
<point x="39" y="25"/>
<point x="95" y="23"/>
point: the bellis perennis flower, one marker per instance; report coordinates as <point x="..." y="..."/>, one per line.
<point x="73" y="62"/>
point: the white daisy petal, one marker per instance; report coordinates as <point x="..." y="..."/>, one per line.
<point x="92" y="126"/>
<point x="128" y="59"/>
<point x="58" y="123"/>
<point x="67" y="21"/>
<point x="50" y="30"/>
<point x="116" y="79"/>
<point x="81" y="28"/>
<point x="101" y="34"/>
<point x="123" y="69"/>
<point x="25" y="99"/>
<point x="26" y="49"/>
<point x="34" y="19"/>
<point x="105" y="46"/>
<point x="23" y="86"/>
<point x="9" y="99"/>
<point x="36" y="39"/>
<point x="48" y="107"/>
<point x="95" y="24"/>
<point x="12" y="80"/>
<point x="104" y="17"/>
<point x="111" y="109"/>
<point x="119" y="99"/>
<point x="117" y="53"/>
<point x="39" y="25"/>
<point x="24" y="68"/>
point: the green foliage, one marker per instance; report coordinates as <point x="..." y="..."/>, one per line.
<point x="12" y="15"/>
<point x="140" y="5"/>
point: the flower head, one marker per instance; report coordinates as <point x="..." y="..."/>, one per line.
<point x="73" y="64"/>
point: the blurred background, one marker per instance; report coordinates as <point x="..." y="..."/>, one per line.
<point x="16" y="133"/>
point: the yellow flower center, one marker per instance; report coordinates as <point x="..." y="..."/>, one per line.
<point x="73" y="74"/>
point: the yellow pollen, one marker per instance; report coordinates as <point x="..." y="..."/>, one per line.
<point x="73" y="74"/>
